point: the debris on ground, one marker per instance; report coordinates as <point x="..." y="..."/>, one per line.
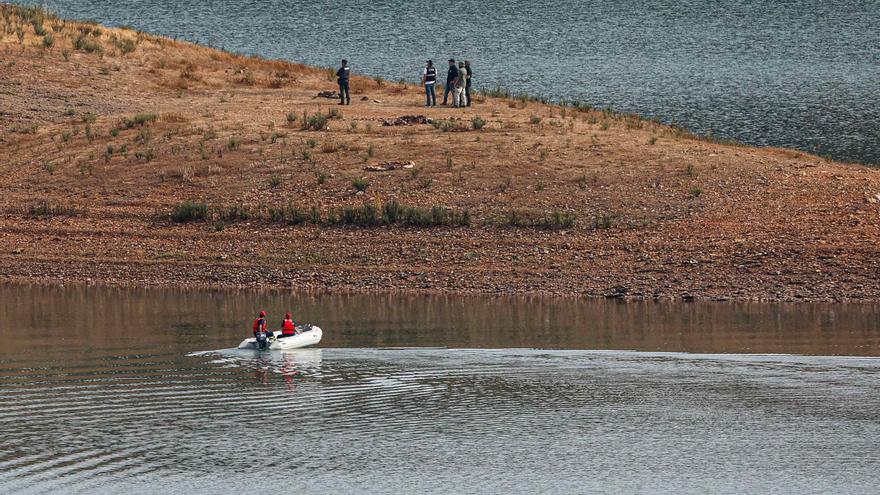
<point x="392" y="165"/>
<point x="328" y="94"/>
<point x="617" y="293"/>
<point x="407" y="120"/>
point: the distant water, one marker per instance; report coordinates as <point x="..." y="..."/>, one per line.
<point x="797" y="73"/>
<point x="108" y="391"/>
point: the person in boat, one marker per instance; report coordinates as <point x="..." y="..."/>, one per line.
<point x="260" y="324"/>
<point x="260" y="328"/>
<point x="288" y="327"/>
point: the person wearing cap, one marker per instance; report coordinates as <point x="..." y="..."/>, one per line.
<point x="429" y="78"/>
<point x="342" y="76"/>
<point x="260" y="323"/>
<point x="451" y="80"/>
<point x="467" y="86"/>
<point x="288" y="328"/>
<point x="460" y="99"/>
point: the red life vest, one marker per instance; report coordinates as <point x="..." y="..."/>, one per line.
<point x="288" y="328"/>
<point x="259" y="324"/>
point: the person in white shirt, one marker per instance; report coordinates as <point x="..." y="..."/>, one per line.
<point x="460" y="96"/>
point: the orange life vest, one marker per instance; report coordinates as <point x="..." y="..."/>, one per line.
<point x="259" y="324"/>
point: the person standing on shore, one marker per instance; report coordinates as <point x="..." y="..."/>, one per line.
<point x="467" y="86"/>
<point x="460" y="100"/>
<point x="451" y="80"/>
<point x="342" y="76"/>
<point x="429" y="78"/>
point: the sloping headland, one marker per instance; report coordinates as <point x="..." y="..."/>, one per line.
<point x="133" y="159"/>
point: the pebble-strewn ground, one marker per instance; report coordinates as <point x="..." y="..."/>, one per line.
<point x="86" y="197"/>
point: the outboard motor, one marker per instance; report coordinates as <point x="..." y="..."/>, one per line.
<point x="262" y="340"/>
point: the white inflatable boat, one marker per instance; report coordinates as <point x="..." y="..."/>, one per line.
<point x="306" y="335"/>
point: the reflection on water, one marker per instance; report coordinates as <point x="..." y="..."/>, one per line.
<point x="132" y="319"/>
<point x="140" y="391"/>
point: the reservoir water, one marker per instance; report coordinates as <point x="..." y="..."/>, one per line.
<point x="139" y="391"/>
<point x="803" y="74"/>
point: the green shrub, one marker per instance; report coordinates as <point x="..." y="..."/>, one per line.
<point x="601" y="221"/>
<point x="146" y="155"/>
<point x="189" y="212"/>
<point x="235" y="213"/>
<point x="360" y="184"/>
<point x="478" y="122"/>
<point x="48" y="41"/>
<point x="87" y="45"/>
<point x="562" y="220"/>
<point x="315" y="122"/>
<point x="289" y="215"/>
<point x="140" y="119"/>
<point x="391" y="212"/>
<point x="44" y="209"/>
<point x="125" y="45"/>
<point x="497" y="92"/>
<point x="535" y="120"/>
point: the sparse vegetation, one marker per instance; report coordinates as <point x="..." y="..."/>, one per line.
<point x="44" y="209"/>
<point x="315" y="122"/>
<point x="556" y="220"/>
<point x="189" y="212"/>
<point x="426" y="182"/>
<point x="125" y="45"/>
<point x="601" y="221"/>
<point x="360" y="184"/>
<point x="478" y="122"/>
<point x="147" y="155"/>
<point x="139" y="120"/>
<point x="534" y="120"/>
<point x="82" y="43"/>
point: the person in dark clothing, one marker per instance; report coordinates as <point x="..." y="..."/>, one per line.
<point x="342" y="76"/>
<point x="451" y="80"/>
<point x="429" y="79"/>
<point x="467" y="87"/>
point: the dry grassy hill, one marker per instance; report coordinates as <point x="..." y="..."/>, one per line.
<point x="128" y="158"/>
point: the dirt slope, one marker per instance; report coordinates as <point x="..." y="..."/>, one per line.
<point x="103" y="132"/>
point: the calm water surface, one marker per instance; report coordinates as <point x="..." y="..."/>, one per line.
<point x="141" y="391"/>
<point x="802" y="74"/>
